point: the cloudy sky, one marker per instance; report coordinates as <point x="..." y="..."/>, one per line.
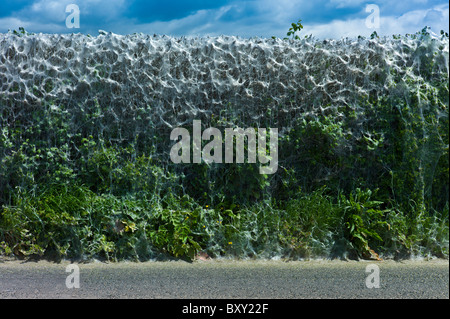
<point x="245" y="18"/>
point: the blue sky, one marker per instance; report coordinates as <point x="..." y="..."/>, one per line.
<point x="264" y="18"/>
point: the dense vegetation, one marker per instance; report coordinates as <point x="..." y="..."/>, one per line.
<point x="70" y="189"/>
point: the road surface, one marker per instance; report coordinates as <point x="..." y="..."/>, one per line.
<point x="218" y="279"/>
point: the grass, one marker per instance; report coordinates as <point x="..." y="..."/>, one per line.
<point x="74" y="222"/>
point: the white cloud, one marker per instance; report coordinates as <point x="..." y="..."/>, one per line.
<point x="410" y="22"/>
<point x="53" y="11"/>
<point x="15" y="24"/>
<point x="46" y="10"/>
<point x="413" y="21"/>
<point x="207" y="22"/>
<point x="338" y="29"/>
<point x="264" y="18"/>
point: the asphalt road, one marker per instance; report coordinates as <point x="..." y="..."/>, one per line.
<point x="218" y="279"/>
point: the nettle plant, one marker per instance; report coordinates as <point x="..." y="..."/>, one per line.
<point x="295" y="27"/>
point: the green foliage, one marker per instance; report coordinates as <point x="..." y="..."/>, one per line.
<point x="309" y="224"/>
<point x="22" y="32"/>
<point x="172" y="229"/>
<point x="363" y="220"/>
<point x="374" y="35"/>
<point x="311" y="155"/>
<point x="364" y="176"/>
<point x="295" y="27"/>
